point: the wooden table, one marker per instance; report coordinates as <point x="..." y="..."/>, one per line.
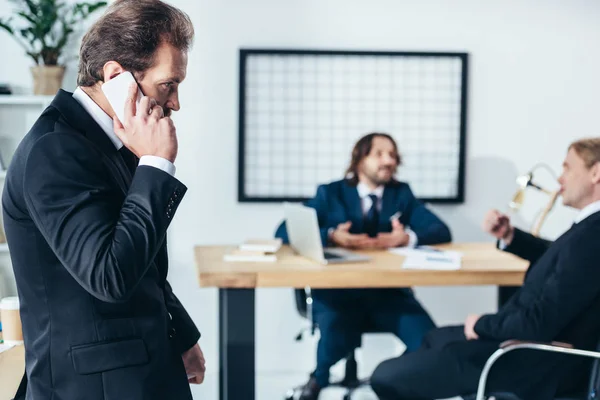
<point x="482" y="264"/>
<point x="12" y="366"/>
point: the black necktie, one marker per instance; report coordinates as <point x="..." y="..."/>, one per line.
<point x="372" y="218"/>
<point x="130" y="159"/>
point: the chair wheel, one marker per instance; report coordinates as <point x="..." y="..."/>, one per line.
<point x="347" y="397"/>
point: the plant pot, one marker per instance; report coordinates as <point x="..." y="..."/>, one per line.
<point x="47" y="80"/>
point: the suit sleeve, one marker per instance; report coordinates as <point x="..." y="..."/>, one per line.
<point x="568" y="290"/>
<point x="425" y="224"/>
<point x="186" y="333"/>
<point x="107" y="246"/>
<point x="319" y="203"/>
<point x="527" y="246"/>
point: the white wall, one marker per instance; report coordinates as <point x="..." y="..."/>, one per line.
<point x="534" y="88"/>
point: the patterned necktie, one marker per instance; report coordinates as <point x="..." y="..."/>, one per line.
<point x="372" y="218"/>
<point x="130" y="159"/>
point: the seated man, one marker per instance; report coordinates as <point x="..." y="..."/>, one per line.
<point x="559" y="301"/>
<point x="369" y="209"/>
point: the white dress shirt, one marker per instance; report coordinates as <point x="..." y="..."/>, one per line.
<point x="587" y="211"/>
<point x="583" y="214"/>
<point x="106" y="123"/>
<point x="364" y="191"/>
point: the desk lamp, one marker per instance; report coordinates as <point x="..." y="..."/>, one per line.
<point x="525" y="181"/>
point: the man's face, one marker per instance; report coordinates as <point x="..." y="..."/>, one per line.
<point x="161" y="81"/>
<point x="577" y="181"/>
<point x="380" y="164"/>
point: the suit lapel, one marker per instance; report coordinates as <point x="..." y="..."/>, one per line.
<point x="389" y="206"/>
<point x="76" y="116"/>
<point x="353" y="206"/>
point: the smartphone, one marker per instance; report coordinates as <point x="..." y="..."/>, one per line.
<point x="116" y="91"/>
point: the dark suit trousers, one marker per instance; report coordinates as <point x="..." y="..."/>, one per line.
<point x="434" y="371"/>
<point x="448" y="365"/>
<point x="343" y="315"/>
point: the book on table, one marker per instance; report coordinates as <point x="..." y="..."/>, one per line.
<point x="255" y="250"/>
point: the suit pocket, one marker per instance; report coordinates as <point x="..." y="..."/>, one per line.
<point x="98" y="357"/>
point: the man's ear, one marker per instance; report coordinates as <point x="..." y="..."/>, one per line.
<point x="112" y="69"/>
<point x="596" y="173"/>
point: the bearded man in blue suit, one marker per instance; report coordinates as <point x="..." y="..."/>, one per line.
<point x="368" y="209"/>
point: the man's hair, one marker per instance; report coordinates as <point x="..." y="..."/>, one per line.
<point x="362" y="148"/>
<point x="588" y="149"/>
<point x="129" y="33"/>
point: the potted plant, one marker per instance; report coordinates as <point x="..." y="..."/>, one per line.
<point x="45" y="28"/>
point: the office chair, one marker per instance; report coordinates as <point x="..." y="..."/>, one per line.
<point x="556" y="347"/>
<point x="350" y="380"/>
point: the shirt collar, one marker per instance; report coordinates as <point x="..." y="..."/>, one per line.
<point x="364" y="190"/>
<point x="101" y="118"/>
<point x="587" y="211"/>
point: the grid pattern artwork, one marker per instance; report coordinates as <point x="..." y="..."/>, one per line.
<point x="301" y="111"/>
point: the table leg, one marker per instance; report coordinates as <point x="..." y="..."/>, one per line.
<point x="236" y="344"/>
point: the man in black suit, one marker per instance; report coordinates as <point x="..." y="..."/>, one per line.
<point x="87" y="203"/>
<point x="559" y="301"/>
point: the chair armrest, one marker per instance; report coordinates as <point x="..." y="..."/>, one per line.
<point x="513" y="342"/>
<point x="510" y="345"/>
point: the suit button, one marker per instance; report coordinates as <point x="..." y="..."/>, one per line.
<point x="172" y="333"/>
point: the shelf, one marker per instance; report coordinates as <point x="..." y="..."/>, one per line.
<point x="21" y="100"/>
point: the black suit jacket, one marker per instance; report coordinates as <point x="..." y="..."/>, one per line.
<point x="88" y="246"/>
<point x="559" y="300"/>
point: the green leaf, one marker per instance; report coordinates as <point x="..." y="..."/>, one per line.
<point x="27" y="17"/>
<point x="85" y="9"/>
<point x="34" y="56"/>
<point x="33" y="8"/>
<point x="4" y="24"/>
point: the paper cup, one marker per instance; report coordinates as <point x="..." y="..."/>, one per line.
<point x="12" y="332"/>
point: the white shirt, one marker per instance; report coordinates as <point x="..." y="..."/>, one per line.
<point x="106" y="123"/>
<point x="587" y="211"/>
<point x="583" y="214"/>
<point x="364" y="191"/>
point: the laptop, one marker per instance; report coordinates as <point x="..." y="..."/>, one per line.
<point x="305" y="238"/>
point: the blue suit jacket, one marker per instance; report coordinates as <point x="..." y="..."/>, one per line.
<point x="339" y="202"/>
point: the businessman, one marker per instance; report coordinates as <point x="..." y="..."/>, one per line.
<point x="559" y="301"/>
<point x="87" y="203"/>
<point x="368" y="209"/>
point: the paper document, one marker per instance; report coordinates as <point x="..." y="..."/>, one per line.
<point x="249" y="256"/>
<point x="264" y="245"/>
<point x="429" y="258"/>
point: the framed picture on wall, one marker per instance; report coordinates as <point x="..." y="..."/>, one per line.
<point x="301" y="111"/>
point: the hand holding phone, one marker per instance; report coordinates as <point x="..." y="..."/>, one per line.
<point x="141" y="125"/>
